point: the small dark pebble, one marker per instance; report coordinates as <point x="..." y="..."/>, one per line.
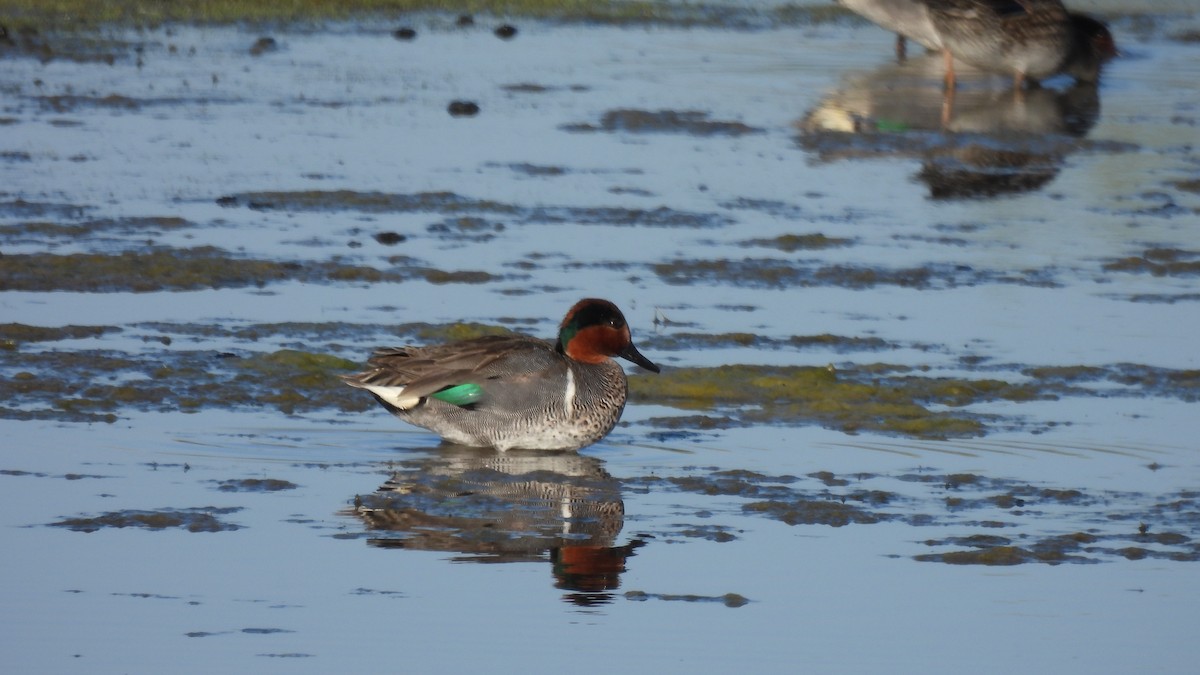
<point x="262" y="45"/>
<point x="404" y="33"/>
<point x="506" y="32"/>
<point x="465" y="20"/>
<point x="463" y="108"/>
<point x="389" y="238"/>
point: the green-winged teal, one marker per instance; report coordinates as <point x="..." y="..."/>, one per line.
<point x="513" y="391"/>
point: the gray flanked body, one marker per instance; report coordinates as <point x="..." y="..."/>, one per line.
<point x="532" y="396"/>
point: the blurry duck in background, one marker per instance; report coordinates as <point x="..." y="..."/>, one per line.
<point x="1027" y="39"/>
<point x="992" y="143"/>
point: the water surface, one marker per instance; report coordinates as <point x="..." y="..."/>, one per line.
<point x="677" y="172"/>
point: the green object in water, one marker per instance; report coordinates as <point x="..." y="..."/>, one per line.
<point x="460" y="394"/>
<point x="889" y="125"/>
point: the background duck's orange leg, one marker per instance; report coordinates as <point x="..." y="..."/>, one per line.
<point x="949" y="68"/>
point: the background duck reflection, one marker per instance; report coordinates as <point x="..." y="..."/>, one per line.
<point x="981" y="140"/>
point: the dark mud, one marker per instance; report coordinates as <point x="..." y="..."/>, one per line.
<point x="26" y="15"/>
<point x="255" y="485"/>
<point x="729" y="599"/>
<point x="682" y="341"/>
<point x="23" y="39"/>
<point x="38" y="231"/>
<point x="690" y="122"/>
<point x="203" y="519"/>
<point x="452" y="204"/>
<point x="790" y="243"/>
<point x="778" y="273"/>
<point x="1161" y="262"/>
<point x="504" y="508"/>
<point x="1117" y="525"/>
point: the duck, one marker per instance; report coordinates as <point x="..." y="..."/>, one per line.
<point x="513" y="391"/>
<point x="1030" y="39"/>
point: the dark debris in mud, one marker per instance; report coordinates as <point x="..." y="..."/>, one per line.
<point x="691" y="122"/>
<point x="202" y="519"/>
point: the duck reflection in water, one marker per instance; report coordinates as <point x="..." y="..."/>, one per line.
<point x="990" y="142"/>
<point x="514" y="506"/>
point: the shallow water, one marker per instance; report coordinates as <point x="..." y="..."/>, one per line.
<point x="658" y="167"/>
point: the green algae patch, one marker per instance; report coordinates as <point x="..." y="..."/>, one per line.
<point x="169" y="269"/>
<point x="1136" y="379"/>
<point x="14" y="333"/>
<point x="299" y="372"/>
<point x="193" y="520"/>
<point x="293" y="380"/>
<point x="1160" y="262"/>
<point x="451" y="332"/>
<point x="807" y="395"/>
<point x="804" y="511"/>
<point x="155" y="270"/>
<point x="141" y="225"/>
<point x="93" y="385"/>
